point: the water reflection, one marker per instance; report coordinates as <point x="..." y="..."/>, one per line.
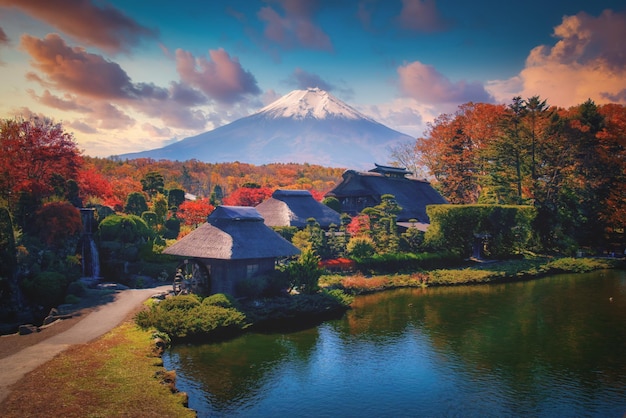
<point x="550" y="347"/>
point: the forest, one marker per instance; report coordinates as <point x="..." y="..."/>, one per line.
<point x="568" y="165"/>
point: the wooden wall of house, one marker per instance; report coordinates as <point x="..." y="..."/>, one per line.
<point x="225" y="274"/>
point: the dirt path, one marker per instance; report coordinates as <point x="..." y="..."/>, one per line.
<point x="97" y="322"/>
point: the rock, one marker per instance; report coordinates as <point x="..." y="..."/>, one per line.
<point x="49" y="319"/>
<point x="27" y="329"/>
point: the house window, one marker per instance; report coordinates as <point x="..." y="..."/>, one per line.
<point x="252" y="269"/>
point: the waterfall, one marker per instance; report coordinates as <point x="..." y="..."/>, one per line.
<point x="89" y="250"/>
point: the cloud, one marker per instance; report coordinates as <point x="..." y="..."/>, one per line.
<point x="155" y="131"/>
<point x="296" y="27"/>
<point x="421" y="16"/>
<point x="4" y="39"/>
<point x="303" y="80"/>
<point x="82" y="127"/>
<point x="588" y="61"/>
<point x="221" y="78"/>
<point x="77" y="71"/>
<point x="105" y="27"/>
<point x="106" y="89"/>
<point x="425" y="84"/>
<point x="68" y="103"/>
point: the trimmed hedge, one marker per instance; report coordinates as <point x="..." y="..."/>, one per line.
<point x="455" y="228"/>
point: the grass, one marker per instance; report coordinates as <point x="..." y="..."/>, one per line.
<point x="474" y="274"/>
<point x="118" y="375"/>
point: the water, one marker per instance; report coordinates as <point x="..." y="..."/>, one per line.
<point x="554" y="347"/>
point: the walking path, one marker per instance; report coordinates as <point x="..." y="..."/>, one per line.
<point x="101" y="320"/>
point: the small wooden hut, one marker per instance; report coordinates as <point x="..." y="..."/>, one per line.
<point x="294" y="207"/>
<point x="232" y="246"/>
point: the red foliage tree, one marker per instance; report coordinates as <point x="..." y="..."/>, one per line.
<point x="57" y="221"/>
<point x="92" y="183"/>
<point x="248" y="196"/>
<point x="194" y="212"/>
<point x="33" y="152"/>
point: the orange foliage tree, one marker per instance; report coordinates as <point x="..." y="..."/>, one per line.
<point x="248" y="196"/>
<point x="194" y="212"/>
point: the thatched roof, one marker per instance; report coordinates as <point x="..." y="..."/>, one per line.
<point x="294" y="207"/>
<point x="411" y="194"/>
<point x="233" y="233"/>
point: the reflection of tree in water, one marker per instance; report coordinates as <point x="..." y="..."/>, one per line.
<point x="236" y="371"/>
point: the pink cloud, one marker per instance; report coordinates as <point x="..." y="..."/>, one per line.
<point x="296" y="27"/>
<point x="425" y="84"/>
<point x="421" y="16"/>
<point x="76" y="70"/>
<point x="220" y="78"/>
<point x="66" y="103"/>
<point x="588" y="61"/>
<point x="105" y="27"/>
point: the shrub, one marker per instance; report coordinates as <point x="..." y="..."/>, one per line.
<point x="185" y="316"/>
<point x="360" y="247"/>
<point x="304" y="274"/>
<point x="46" y="288"/>
<point x="220" y="299"/>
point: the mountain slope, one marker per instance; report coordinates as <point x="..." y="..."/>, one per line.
<point x="304" y="126"/>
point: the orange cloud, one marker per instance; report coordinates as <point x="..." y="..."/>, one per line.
<point x="220" y="78"/>
<point x="105" y="27"/>
<point x="424" y="83"/>
<point x="587" y="62"/>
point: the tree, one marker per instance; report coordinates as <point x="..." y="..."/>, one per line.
<point x="175" y="197"/>
<point x="33" y="151"/>
<point x="452" y="149"/>
<point x="135" y="204"/>
<point x="153" y="183"/>
<point x="58" y="221"/>
<point x="194" y="212"/>
<point x="333" y="203"/>
<point x="248" y="196"/>
<point x="159" y="207"/>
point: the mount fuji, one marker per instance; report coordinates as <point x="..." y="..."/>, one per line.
<point x="304" y="126"/>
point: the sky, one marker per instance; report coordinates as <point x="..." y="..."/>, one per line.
<point x="126" y="76"/>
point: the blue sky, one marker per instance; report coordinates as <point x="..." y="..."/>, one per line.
<point x="126" y="76"/>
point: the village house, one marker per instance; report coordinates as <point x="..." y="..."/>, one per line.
<point x="294" y="208"/>
<point x="360" y="190"/>
<point x="233" y="246"/>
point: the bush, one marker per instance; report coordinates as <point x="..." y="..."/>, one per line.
<point x="220" y="299"/>
<point x="124" y="228"/>
<point x="185" y="317"/>
<point x="46" y="288"/>
<point x="360" y="247"/>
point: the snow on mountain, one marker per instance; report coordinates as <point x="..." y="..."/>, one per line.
<point x="310" y="103"/>
<point x="304" y="126"/>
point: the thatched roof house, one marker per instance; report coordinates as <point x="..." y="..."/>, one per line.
<point x="360" y="190"/>
<point x="294" y="207"/>
<point x="233" y="245"/>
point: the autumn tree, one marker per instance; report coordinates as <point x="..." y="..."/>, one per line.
<point x="34" y="152"/>
<point x="58" y="221"/>
<point x="248" y="195"/>
<point x="452" y="149"/>
<point x="194" y="212"/>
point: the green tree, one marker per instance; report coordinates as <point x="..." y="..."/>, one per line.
<point x="304" y="274"/>
<point x="136" y="204"/>
<point x="159" y="206"/>
<point x="333" y="203"/>
<point x="175" y="198"/>
<point x="153" y="183"/>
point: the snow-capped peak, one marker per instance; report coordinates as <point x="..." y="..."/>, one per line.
<point x="310" y="103"/>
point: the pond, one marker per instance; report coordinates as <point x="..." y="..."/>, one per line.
<point x="552" y="347"/>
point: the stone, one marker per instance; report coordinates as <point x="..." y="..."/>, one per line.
<point x="27" y="329"/>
